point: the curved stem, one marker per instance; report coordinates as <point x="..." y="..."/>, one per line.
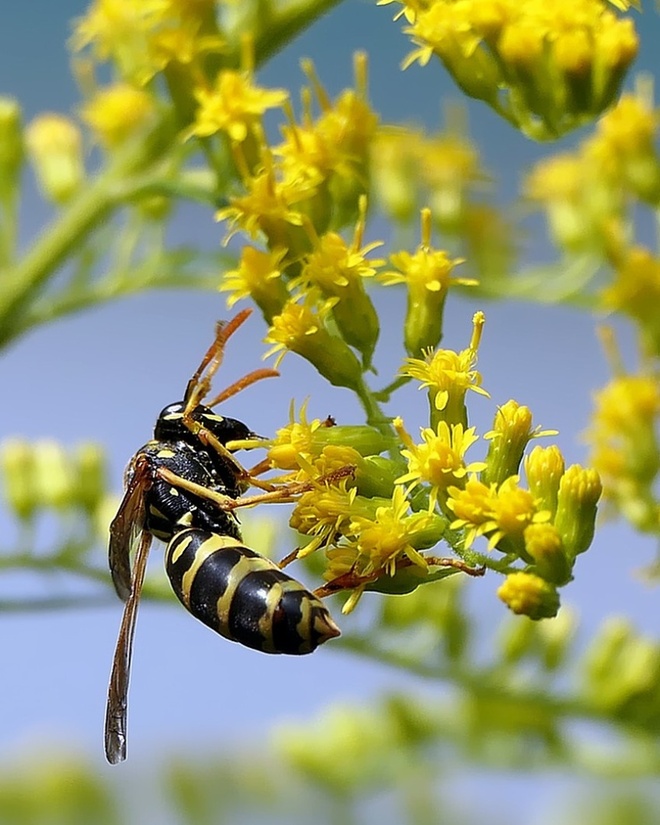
<point x="63" y="236"/>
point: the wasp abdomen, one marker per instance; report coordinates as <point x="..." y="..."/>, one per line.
<point x="243" y="596"/>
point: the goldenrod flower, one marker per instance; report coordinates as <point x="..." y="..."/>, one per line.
<point x="117" y="112"/>
<point x="624" y="445"/>
<point x="624" y="144"/>
<point x="232" y="105"/>
<point x="427" y="276"/>
<point x="395" y="171"/>
<point x="500" y="513"/>
<point x="337" y="270"/>
<point x="54" y="481"/>
<point x="294" y="440"/>
<point x="636" y="293"/>
<point x="379" y="541"/>
<point x="529" y="595"/>
<point x="142" y="37"/>
<point x="448" y="376"/>
<point x="409" y="167"/>
<point x="300" y="327"/>
<point x="340" y="144"/>
<point x="259" y="276"/>
<point x="439" y="461"/>
<point x="90" y="473"/>
<point x="325" y="514"/>
<point x="272" y="209"/>
<point x="545" y="66"/>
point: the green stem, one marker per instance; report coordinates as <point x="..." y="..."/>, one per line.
<point x="480" y="682"/>
<point x="7" y="230"/>
<point x="375" y="416"/>
<point x="63" y="236"/>
<point x="277" y="27"/>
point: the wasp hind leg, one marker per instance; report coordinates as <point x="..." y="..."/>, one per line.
<point x="353" y="580"/>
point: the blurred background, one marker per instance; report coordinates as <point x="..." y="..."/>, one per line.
<point x="104" y="375"/>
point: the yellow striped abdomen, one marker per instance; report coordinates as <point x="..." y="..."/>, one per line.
<point x="243" y="596"/>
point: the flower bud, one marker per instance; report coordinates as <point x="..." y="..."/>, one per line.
<point x="366" y="440"/>
<point x="512" y="430"/>
<point x="516" y="639"/>
<point x="529" y="595"/>
<point x="54" y="481"/>
<point x="579" y="491"/>
<point x="55" y="147"/>
<point x="11" y="146"/>
<point x="376" y="475"/>
<point x="357" y="320"/>
<point x="556" y="635"/>
<point x="544" y="467"/>
<point x="18" y="473"/>
<point x="91" y="475"/>
<point x="118" y="112"/>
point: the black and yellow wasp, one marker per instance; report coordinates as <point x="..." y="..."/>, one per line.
<point x="183" y="488"/>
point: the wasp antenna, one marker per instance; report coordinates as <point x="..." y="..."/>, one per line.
<point x="225" y="329"/>
<point x="242" y="383"/>
<point x="200" y="383"/>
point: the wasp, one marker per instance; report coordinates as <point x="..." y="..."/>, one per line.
<point x="183" y="488"/>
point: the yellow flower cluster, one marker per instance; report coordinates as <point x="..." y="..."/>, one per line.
<point x="589" y="194"/>
<point x="624" y="446"/>
<point x="145" y="37"/>
<point x="376" y="522"/>
<point x="547" y="67"/>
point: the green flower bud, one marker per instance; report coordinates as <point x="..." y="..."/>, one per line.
<point x="602" y="657"/>
<point x="517" y="638"/>
<point x="55" y="146"/>
<point x="622" y="670"/>
<point x="366" y="440"/>
<point x="376" y="475"/>
<point x="91" y="475"/>
<point x="556" y="635"/>
<point x="529" y="595"/>
<point x="18" y="473"/>
<point x="357" y="321"/>
<point x="11" y="146"/>
<point x="54" y="481"/>
<point x="579" y="491"/>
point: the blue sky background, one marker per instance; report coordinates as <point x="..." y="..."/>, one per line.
<point x="105" y="374"/>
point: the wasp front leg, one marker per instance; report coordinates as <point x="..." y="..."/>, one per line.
<point x="282" y="494"/>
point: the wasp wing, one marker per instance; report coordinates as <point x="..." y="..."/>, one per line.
<point x="117" y="705"/>
<point x="127" y="527"/>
